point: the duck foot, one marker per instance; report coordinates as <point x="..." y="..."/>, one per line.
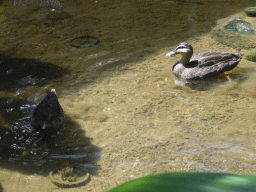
<point x="226" y="76"/>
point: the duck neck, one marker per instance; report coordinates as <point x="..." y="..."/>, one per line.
<point x="186" y="58"/>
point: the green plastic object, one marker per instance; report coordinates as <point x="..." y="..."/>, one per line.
<point x="190" y="182"/>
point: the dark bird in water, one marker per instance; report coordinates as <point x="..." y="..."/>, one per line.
<point x="202" y="65"/>
<point x="48" y="116"/>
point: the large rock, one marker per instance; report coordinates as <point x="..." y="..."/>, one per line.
<point x="251" y="56"/>
<point x="237" y="31"/>
<point x="48" y="115"/>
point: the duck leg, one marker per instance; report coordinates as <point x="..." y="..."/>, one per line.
<point x="226" y="76"/>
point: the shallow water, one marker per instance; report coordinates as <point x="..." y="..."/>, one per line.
<point x="127" y="115"/>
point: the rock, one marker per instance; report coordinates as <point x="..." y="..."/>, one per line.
<point x="237" y="31"/>
<point x="251" y="56"/>
<point x="250" y="11"/>
<point x="48" y="115"/>
<point x="239" y="26"/>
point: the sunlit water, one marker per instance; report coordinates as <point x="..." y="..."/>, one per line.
<point x="127" y="115"/>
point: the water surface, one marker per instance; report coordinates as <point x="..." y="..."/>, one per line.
<point x="128" y="116"/>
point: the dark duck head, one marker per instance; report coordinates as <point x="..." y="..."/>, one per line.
<point x="202" y="65"/>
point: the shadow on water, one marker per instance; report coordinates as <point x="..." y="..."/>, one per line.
<point x="20" y="145"/>
<point x="21" y="75"/>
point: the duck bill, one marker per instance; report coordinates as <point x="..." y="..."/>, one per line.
<point x="171" y="53"/>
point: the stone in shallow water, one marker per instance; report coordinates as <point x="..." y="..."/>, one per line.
<point x="237" y="31"/>
<point x="251" y="56"/>
<point x="250" y="11"/>
<point x="239" y="26"/>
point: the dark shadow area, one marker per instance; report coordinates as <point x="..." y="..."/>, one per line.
<point x="1" y="2"/>
<point x="20" y="74"/>
<point x="22" y="83"/>
<point x="22" y="86"/>
<point x="1" y="188"/>
<point x="29" y="152"/>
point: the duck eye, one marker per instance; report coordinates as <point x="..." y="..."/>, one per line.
<point x="180" y="48"/>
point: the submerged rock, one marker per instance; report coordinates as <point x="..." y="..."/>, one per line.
<point x="250" y="11"/>
<point x="48" y="115"/>
<point x="251" y="56"/>
<point x="237" y="31"/>
<point x="240" y="26"/>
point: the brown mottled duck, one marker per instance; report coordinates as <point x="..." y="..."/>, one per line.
<point x="202" y="65"/>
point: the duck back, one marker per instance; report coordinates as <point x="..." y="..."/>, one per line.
<point x="208" y="64"/>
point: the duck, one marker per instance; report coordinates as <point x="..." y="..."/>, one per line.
<point x="202" y="65"/>
<point x="48" y="116"/>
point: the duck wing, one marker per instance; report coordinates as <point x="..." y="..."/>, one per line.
<point x="210" y="64"/>
<point x="215" y="58"/>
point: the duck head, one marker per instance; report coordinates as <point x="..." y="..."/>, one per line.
<point x="185" y="50"/>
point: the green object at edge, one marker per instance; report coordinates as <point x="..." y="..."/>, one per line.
<point x="190" y="182"/>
